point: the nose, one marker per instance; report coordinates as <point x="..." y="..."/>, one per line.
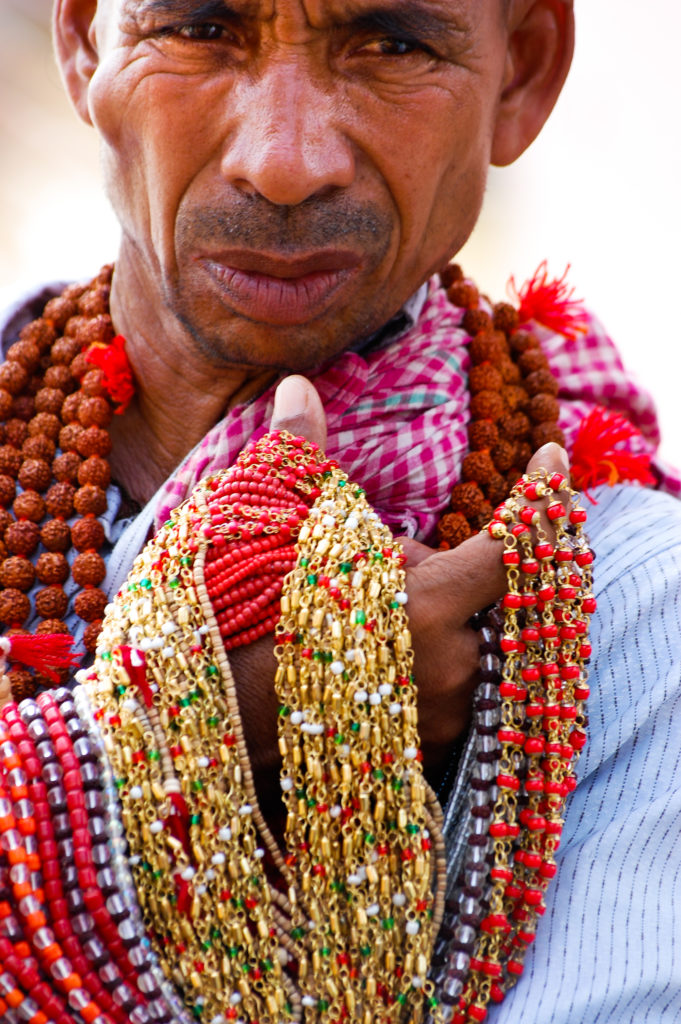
<point x="286" y="142"/>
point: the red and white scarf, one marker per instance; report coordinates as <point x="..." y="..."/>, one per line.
<point x="398" y="416"/>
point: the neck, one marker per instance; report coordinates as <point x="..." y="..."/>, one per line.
<point x="179" y="394"/>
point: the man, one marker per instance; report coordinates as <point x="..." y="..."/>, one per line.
<point x="287" y="175"/>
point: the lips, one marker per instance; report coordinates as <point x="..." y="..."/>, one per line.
<point x="281" y="290"/>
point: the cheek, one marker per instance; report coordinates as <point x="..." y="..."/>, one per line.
<point x="438" y="181"/>
<point x="153" y="144"/>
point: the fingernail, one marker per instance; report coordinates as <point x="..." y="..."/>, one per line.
<point x="551" y="453"/>
<point x="290" y="398"/>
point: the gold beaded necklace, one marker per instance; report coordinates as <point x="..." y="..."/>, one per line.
<point x="363" y="878"/>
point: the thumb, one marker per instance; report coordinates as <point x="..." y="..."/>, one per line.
<point x="551" y="458"/>
<point x="298" y="409"/>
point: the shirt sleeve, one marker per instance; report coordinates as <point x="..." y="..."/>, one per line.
<point x="607" y="949"/>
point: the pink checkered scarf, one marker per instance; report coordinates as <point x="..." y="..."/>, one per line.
<point x="398" y="416"/>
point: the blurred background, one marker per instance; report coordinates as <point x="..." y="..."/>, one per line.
<point x="598" y="190"/>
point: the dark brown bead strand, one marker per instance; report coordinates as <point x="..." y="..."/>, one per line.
<point x="513" y="408"/>
<point x="54" y="444"/>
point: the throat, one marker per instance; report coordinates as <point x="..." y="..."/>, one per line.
<point x="152" y="438"/>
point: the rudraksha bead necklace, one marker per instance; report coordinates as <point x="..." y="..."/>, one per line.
<point x="55" y="408"/>
<point x="513" y="408"/>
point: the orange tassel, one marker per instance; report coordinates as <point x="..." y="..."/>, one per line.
<point x="117" y="378"/>
<point x="550" y="302"/>
<point x="598" y="456"/>
<point x="45" y="652"/>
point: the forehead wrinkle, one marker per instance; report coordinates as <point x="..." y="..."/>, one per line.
<point x="190" y="8"/>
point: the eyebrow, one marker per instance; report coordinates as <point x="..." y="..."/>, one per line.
<point x="408" y="18"/>
<point x="412" y="17"/>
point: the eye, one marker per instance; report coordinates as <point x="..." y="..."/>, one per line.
<point x="208" y="31"/>
<point x="392" y="47"/>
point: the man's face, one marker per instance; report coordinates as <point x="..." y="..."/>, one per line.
<point x="288" y="172"/>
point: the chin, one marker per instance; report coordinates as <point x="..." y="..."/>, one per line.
<point x="299" y="348"/>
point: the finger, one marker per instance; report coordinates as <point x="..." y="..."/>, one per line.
<point x="298" y="409"/>
<point x="552" y="458"/>
<point x="450" y="586"/>
<point x="474" y="573"/>
<point x="414" y="551"/>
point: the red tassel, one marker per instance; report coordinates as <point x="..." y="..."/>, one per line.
<point x="137" y="673"/>
<point x="184" y="900"/>
<point x="45" y="652"/>
<point x="598" y="456"/>
<point x="550" y="303"/>
<point x="117" y="378"/>
<point x="178" y="822"/>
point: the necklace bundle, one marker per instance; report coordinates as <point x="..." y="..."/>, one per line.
<point x="342" y="926"/>
<point x="55" y="411"/>
<point x="353" y="924"/>
<point x="529" y="727"/>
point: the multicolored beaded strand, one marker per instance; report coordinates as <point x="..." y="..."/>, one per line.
<point x="536" y="690"/>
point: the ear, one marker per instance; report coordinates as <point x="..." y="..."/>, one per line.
<point x="541" y="37"/>
<point x="74" y="40"/>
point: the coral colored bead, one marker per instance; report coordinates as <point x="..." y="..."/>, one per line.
<point x="534" y="785"/>
<point x="477" y="1012"/>
<point x="535" y="745"/>
<point x="544" y="551"/>
<point x="556" y="511"/>
<point x="577" y="739"/>
<point x="509" y="645"/>
<point x="533" y="897"/>
<point x="510" y="736"/>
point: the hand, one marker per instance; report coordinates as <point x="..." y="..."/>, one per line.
<point x="445" y="589"/>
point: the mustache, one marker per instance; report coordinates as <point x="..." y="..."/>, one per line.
<point x="255" y="223"/>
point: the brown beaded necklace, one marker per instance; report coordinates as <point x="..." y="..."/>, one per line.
<point x="52" y="397"/>
<point x="513" y="410"/>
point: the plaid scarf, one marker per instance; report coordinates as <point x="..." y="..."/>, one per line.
<point x="398" y="415"/>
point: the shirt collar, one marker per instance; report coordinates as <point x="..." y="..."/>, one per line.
<point x="398" y="324"/>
